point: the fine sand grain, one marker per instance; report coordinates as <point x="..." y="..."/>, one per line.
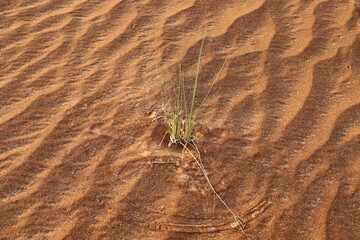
<point x="279" y="133"/>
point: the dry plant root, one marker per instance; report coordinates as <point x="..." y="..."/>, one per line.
<point x="240" y="224"/>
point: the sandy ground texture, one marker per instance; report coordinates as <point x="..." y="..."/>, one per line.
<point x="279" y="133"/>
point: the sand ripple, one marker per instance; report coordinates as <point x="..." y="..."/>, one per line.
<point x="280" y="136"/>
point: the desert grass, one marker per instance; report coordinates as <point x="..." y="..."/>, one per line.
<point x="181" y="121"/>
<point x="179" y="118"/>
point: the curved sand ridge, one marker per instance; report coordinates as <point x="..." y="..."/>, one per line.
<point x="279" y="134"/>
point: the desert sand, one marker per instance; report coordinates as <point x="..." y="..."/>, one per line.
<point x="80" y="102"/>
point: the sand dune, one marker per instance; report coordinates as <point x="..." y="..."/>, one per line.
<point x="279" y="133"/>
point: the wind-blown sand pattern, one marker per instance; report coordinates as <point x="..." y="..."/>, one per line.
<point x="279" y="133"/>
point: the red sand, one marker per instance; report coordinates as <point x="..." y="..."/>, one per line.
<point x="280" y="134"/>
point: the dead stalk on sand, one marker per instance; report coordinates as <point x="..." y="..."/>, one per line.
<point x="240" y="223"/>
<point x="181" y="124"/>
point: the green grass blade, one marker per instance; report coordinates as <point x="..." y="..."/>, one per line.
<point x="196" y="79"/>
<point x="182" y="77"/>
<point x="212" y="84"/>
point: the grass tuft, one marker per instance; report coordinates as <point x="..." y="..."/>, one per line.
<point x="180" y="120"/>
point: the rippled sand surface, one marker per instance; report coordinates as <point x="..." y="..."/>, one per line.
<point x="279" y="133"/>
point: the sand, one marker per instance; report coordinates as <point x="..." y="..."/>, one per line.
<point x="279" y="133"/>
